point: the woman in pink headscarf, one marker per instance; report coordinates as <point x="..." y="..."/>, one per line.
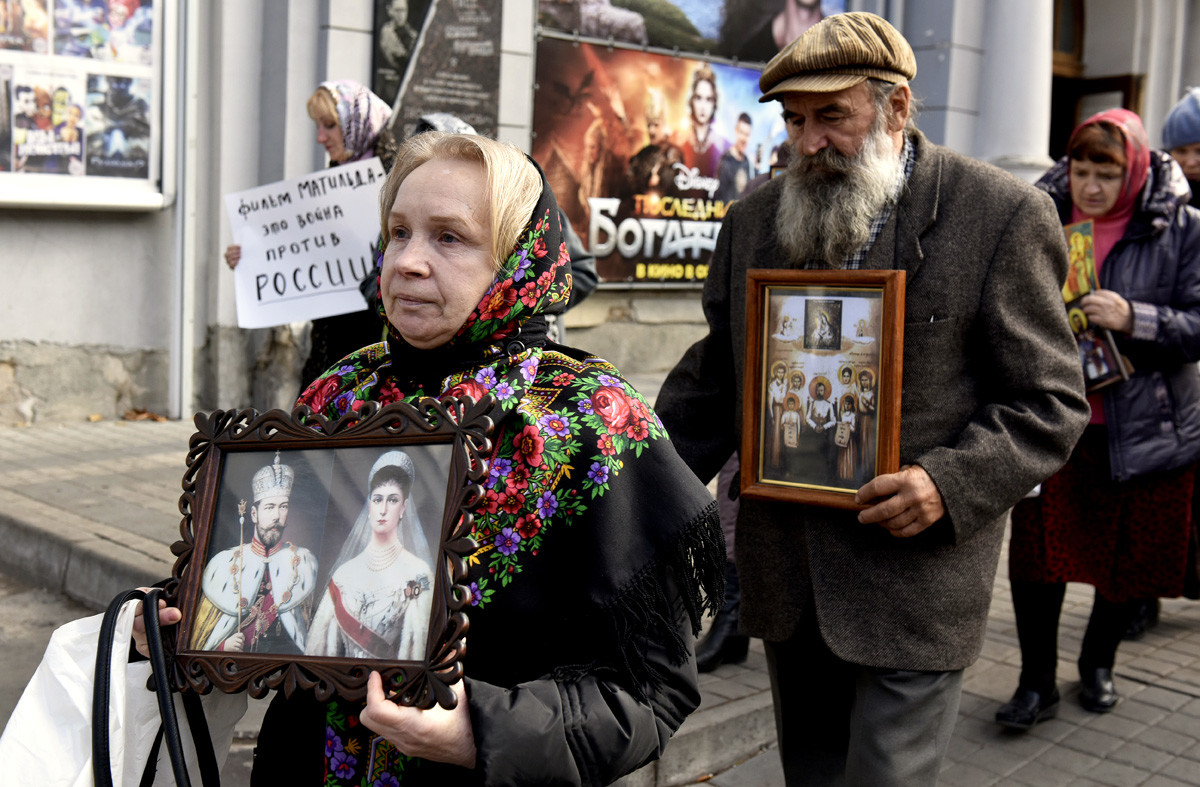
<point x="352" y="125"/>
<point x="1117" y="516"/>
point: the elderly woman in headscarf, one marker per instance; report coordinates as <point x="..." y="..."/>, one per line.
<point x="352" y="125"/>
<point x="1117" y="516"/>
<point x="598" y="550"/>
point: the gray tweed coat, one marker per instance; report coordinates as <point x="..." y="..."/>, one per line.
<point x="992" y="404"/>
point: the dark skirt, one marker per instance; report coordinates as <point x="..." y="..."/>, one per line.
<point x="1127" y="539"/>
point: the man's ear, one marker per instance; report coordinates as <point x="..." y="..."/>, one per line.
<point x="254" y="513"/>
<point x="900" y="101"/>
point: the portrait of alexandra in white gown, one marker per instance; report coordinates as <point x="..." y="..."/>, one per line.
<point x="378" y="601"/>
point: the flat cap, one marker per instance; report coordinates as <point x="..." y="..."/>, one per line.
<point x="837" y="53"/>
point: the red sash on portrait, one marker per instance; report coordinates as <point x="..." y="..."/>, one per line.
<point x="362" y="636"/>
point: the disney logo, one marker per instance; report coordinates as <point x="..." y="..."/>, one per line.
<point x="687" y="179"/>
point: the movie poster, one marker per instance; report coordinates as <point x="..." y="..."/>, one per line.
<point x="79" y="98"/>
<point x="47" y="123"/>
<point x="24" y="25"/>
<point x="453" y="68"/>
<point x="398" y="24"/>
<point x="646" y="152"/>
<point x="748" y="30"/>
<point x="118" y="126"/>
<point x="120" y="31"/>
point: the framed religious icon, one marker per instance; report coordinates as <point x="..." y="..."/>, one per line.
<point x="1102" y="364"/>
<point x="821" y="407"/>
<point x="313" y="551"/>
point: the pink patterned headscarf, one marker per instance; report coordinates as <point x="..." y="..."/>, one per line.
<point x="361" y="115"/>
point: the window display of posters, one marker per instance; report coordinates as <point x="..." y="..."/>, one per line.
<point x="646" y="152"/>
<point x="748" y="30"/>
<point x="80" y="93"/>
<point x="438" y="56"/>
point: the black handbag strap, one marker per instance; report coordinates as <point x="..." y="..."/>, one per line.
<point x="210" y="774"/>
<point x="169" y="732"/>
<point x="152" y="761"/>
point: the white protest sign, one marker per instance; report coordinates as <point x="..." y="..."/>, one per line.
<point x="306" y="244"/>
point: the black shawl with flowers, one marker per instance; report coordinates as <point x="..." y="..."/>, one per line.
<point x="592" y="532"/>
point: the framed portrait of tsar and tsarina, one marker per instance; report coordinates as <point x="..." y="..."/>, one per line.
<point x="315" y="551"/>
<point x="821" y="409"/>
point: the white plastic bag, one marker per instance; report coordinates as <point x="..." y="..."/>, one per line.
<point x="48" y="739"/>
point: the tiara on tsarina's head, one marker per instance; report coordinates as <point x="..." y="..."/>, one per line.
<point x="274" y="480"/>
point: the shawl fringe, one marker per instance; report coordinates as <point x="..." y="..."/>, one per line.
<point x="697" y="566"/>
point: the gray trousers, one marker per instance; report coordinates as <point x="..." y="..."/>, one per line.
<point x="727" y="509"/>
<point x="844" y="724"/>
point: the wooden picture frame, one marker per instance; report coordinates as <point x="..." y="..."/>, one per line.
<point x="1102" y="362"/>
<point x="281" y="502"/>
<point x="821" y="406"/>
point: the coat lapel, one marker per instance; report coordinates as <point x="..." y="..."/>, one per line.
<point x="917" y="210"/>
<point x="767" y="253"/>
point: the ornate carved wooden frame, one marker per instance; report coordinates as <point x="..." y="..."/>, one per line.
<point x="461" y="425"/>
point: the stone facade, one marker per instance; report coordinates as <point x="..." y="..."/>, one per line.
<point x="639" y="331"/>
<point x="45" y="381"/>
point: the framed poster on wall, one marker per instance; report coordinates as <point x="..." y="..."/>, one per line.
<point x="647" y="151"/>
<point x="82" y="109"/>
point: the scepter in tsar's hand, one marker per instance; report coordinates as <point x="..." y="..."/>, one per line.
<point x="241" y="543"/>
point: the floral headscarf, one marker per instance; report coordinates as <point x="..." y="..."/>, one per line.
<point x="534" y="281"/>
<point x="585" y="495"/>
<point x="361" y="115"/>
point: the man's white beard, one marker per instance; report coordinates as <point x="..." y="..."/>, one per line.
<point x="830" y="201"/>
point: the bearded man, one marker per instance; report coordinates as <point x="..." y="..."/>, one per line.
<point x="258" y="596"/>
<point x="869" y="617"/>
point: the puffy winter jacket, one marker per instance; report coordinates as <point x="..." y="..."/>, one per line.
<point x="1154" y="417"/>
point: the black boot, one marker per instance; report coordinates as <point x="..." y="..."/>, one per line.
<point x="723" y="644"/>
<point x="1145" y="616"/>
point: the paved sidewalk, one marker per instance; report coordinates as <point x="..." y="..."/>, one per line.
<point x="91" y="509"/>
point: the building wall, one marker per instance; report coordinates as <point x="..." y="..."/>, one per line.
<point x="1158" y="39"/>
<point x="85" y="317"/>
